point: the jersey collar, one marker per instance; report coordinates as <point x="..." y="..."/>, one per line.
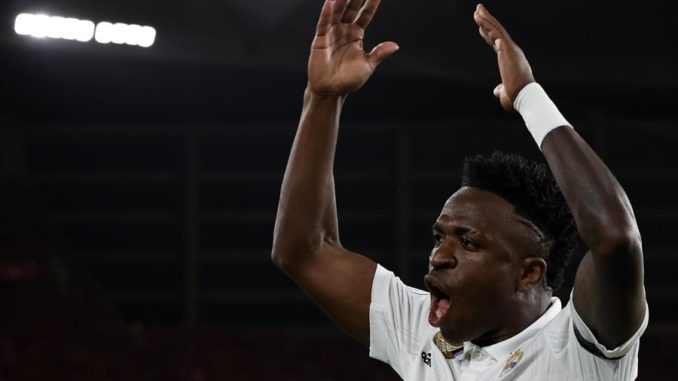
<point x="502" y="349"/>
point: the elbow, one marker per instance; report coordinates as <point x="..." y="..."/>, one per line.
<point x="276" y="258"/>
<point x="618" y="231"/>
<point x="294" y="248"/>
<point x="284" y="247"/>
<point x="625" y="241"/>
<point x="279" y="257"/>
<point x="280" y="254"/>
<point x="286" y="254"/>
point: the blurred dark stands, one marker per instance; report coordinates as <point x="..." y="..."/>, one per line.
<point x="143" y="252"/>
<point x="47" y="337"/>
<point x="53" y="337"/>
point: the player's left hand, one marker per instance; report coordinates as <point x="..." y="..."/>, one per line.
<point x="514" y="69"/>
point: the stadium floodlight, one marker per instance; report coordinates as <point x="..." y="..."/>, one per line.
<point x="146" y="36"/>
<point x="104" y="32"/>
<point x="121" y="33"/>
<point x="41" y="26"/>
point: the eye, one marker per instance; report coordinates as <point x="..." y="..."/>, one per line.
<point x="468" y="244"/>
<point x="437" y="239"/>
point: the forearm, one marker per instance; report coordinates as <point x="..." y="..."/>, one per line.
<point x="608" y="291"/>
<point x="599" y="205"/>
<point x="306" y="215"/>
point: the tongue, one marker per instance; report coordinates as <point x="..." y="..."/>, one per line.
<point x="443" y="306"/>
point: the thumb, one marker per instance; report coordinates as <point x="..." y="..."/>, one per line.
<point x="498" y="43"/>
<point x="497" y="90"/>
<point x="382" y="52"/>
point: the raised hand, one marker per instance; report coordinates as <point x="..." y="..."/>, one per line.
<point x="514" y="69"/>
<point x="338" y="64"/>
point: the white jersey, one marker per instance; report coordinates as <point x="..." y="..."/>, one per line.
<point x="552" y="348"/>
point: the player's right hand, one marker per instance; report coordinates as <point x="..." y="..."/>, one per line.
<point x="338" y="64"/>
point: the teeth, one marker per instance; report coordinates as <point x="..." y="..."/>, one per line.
<point x="439" y="314"/>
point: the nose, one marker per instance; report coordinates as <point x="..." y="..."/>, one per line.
<point x="442" y="257"/>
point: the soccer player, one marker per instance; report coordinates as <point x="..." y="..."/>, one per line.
<point x="501" y="241"/>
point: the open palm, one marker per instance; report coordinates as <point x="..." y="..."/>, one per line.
<point x="338" y="63"/>
<point x="514" y="68"/>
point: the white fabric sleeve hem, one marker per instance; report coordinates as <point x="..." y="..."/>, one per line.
<point x="379" y="330"/>
<point x="621" y="350"/>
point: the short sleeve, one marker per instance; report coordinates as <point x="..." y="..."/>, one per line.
<point x="588" y="336"/>
<point x="398" y="320"/>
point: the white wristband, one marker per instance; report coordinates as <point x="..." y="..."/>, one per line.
<point x="540" y="114"/>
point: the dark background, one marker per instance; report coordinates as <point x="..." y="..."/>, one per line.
<point x="139" y="186"/>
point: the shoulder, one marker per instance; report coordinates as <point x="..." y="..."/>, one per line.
<point x="398" y="319"/>
<point x="570" y="349"/>
<point x="568" y="328"/>
<point x="588" y="340"/>
<point x="389" y="291"/>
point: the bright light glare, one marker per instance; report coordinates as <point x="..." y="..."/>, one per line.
<point x="55" y="27"/>
<point x="121" y="33"/>
<point x="22" y="24"/>
<point x="104" y="33"/>
<point x="146" y="36"/>
<point x="40" y="26"/>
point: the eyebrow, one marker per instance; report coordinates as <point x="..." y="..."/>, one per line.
<point x="460" y="230"/>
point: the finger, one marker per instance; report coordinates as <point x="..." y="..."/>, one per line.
<point x="486" y="29"/>
<point x="367" y="13"/>
<point x="485" y="34"/>
<point x="382" y="52"/>
<point x="491" y="38"/>
<point x="485" y="20"/>
<point x="352" y="10"/>
<point x="498" y="43"/>
<point x="485" y="13"/>
<point x="338" y="9"/>
<point x="325" y="19"/>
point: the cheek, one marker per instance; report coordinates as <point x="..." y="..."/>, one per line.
<point x="489" y="280"/>
<point x="503" y="282"/>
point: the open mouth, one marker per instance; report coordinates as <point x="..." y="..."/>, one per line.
<point x="440" y="304"/>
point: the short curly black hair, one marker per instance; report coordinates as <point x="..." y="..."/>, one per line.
<point x="530" y="187"/>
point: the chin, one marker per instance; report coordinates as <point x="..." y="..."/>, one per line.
<point x="453" y="336"/>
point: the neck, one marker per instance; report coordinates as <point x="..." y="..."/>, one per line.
<point x="526" y="313"/>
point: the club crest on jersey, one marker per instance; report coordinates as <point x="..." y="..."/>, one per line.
<point x="512" y="361"/>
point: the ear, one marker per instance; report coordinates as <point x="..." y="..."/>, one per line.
<point x="533" y="272"/>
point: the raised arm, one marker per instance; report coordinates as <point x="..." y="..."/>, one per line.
<point x="306" y="237"/>
<point x="608" y="292"/>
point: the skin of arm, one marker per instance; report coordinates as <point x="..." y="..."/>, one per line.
<point x="608" y="292"/>
<point x="306" y="236"/>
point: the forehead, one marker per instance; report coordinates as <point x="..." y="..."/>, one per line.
<point x="483" y="212"/>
